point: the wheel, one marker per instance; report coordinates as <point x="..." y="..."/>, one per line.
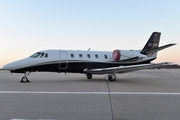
<point x="111" y="78"/>
<point x="24" y="79"/>
<point x="89" y="76"/>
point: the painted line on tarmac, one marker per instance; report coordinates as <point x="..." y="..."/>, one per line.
<point x="33" y="119"/>
<point x="87" y="93"/>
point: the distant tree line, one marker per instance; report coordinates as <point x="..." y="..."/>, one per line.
<point x="169" y="66"/>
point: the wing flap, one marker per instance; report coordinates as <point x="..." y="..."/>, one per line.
<point x="123" y="69"/>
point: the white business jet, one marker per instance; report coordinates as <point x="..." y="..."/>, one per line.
<point x="90" y="62"/>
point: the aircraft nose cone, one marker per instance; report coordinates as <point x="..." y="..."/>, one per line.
<point x="11" y="66"/>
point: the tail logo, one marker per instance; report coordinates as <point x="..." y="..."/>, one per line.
<point x="153" y="45"/>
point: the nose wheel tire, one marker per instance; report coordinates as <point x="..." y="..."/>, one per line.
<point x="24" y="80"/>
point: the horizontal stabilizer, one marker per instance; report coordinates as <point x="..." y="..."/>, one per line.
<point x="159" y="48"/>
<point x="124" y="69"/>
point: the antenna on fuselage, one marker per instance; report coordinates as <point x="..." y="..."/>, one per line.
<point x="89" y="49"/>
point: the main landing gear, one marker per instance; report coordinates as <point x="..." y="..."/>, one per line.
<point x="111" y="77"/>
<point x="89" y="76"/>
<point x="24" y="78"/>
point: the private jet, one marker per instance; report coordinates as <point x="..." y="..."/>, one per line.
<point x="90" y="62"/>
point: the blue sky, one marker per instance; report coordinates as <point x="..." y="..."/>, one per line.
<point x="27" y="26"/>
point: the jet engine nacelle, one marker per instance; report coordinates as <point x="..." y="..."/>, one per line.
<point x="116" y="55"/>
<point x="126" y="54"/>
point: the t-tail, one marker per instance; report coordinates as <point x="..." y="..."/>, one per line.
<point x="152" y="46"/>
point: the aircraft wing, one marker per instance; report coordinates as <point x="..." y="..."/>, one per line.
<point x="123" y="69"/>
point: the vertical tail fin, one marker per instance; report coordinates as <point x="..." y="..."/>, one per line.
<point x="151" y="44"/>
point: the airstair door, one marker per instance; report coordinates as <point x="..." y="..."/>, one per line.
<point x="63" y="60"/>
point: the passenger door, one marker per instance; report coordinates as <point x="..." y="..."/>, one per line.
<point x="63" y="60"/>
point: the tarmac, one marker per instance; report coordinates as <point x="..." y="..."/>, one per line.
<point x="141" y="95"/>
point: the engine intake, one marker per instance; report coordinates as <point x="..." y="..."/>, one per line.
<point x="116" y="55"/>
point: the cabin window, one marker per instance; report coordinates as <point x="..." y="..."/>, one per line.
<point x="72" y="55"/>
<point x="46" y="55"/>
<point x="105" y="56"/>
<point x="88" y="55"/>
<point x="80" y="55"/>
<point x="96" y="56"/>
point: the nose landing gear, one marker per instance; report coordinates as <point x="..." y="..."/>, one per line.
<point x="24" y="78"/>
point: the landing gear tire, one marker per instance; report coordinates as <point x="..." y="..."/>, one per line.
<point x="24" y="80"/>
<point x="111" y="78"/>
<point x="89" y="76"/>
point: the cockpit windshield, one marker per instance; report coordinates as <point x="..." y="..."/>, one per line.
<point x="39" y="54"/>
